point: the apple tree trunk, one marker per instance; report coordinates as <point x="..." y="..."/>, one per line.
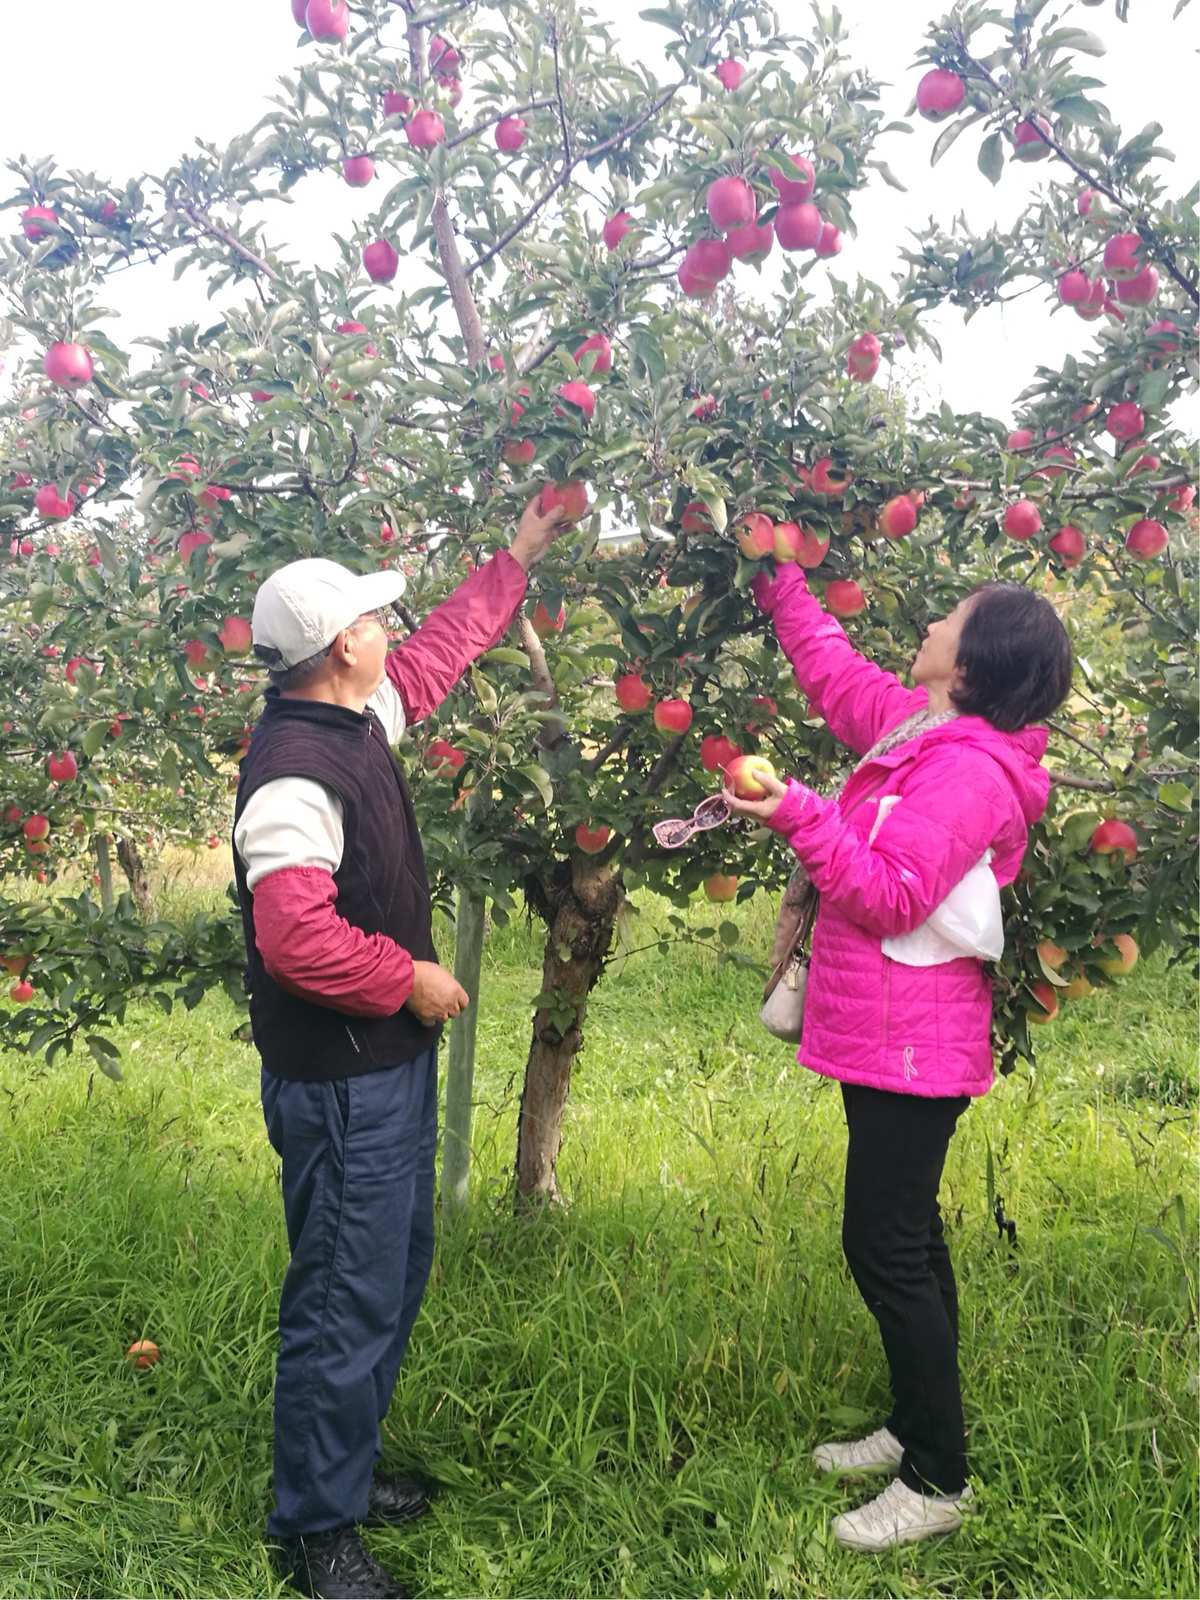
<point x="134" y="867"/>
<point x="581" y="911"/>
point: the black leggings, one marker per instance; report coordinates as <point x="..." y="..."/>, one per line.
<point x="893" y="1239"/>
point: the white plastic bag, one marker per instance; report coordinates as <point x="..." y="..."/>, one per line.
<point x="966" y="923"/>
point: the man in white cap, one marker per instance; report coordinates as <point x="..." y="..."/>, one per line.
<point x="347" y="1000"/>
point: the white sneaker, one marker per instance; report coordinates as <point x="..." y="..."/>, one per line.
<point x="900" y="1516"/>
<point x="880" y="1451"/>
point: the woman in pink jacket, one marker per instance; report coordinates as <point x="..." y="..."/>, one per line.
<point x="898" y="1005"/>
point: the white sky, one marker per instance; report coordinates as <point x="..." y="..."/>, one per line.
<point x="124" y="90"/>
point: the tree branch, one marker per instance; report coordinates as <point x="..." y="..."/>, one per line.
<point x="1071" y="780"/>
<point x="232" y="242"/>
<point x="550" y="734"/>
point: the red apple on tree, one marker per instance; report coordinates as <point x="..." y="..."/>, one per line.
<point x="68" y="365"/>
<point x="51" y="505"/>
<point x="396" y="104"/>
<point x="235" y="636"/>
<point x="36" y="828"/>
<point x="591" y="840"/>
<point x="380" y="261"/>
<point x="21" y="992"/>
<point x="752" y="243"/>
<point x="1123" y="256"/>
<point x="327" y="20"/>
<point x="1074" y="287"/>
<point x="600" y="349"/>
<point x="1029" y="139"/>
<point x="519" y="452"/>
<point x="696" y="518"/>
<point x="425" y="130"/>
<point x="1125" y="960"/>
<point x="442" y="756"/>
<point x="731" y="73"/>
<point x="825" y="480"/>
<point x="743" y="776"/>
<point x="1125" y="421"/>
<point x="731" y="203"/>
<point x="830" y="242"/>
<point x="615" y="228"/>
<point x="844" y="598"/>
<point x="62" y="767"/>
<point x="544" y="624"/>
<point x="633" y="692"/>
<point x="1069" y="545"/>
<point x="1112" y="836"/>
<point x="794" y="191"/>
<point x="721" y="887"/>
<point x="358" y="171"/>
<point x="939" y="94"/>
<point x="1146" y="539"/>
<point x="672" y="716"/>
<point x="37" y="222"/>
<point x="768" y="709"/>
<point x="1045" y="1006"/>
<point x="511" y="133"/>
<point x="862" y="359"/>
<point x="716" y="752"/>
<point x="1182" y="500"/>
<point x="1140" y="290"/>
<point x="1022" y="520"/>
<point x="798" y="227"/>
<point x="898" y="517"/>
<point x="578" y="394"/>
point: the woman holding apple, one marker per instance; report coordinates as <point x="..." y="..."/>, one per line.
<point x="909" y="860"/>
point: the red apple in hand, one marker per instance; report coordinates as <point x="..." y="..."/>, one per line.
<point x="755" y="535"/>
<point x="591" y="840"/>
<point x="571" y="496"/>
<point x="672" y="716"/>
<point x="633" y="692"/>
<point x="68" y="365"/>
<point x="742" y="777"/>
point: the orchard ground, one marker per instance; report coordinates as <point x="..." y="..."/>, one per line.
<point x="620" y="1397"/>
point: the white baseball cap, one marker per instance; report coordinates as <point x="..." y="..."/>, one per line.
<point x="304" y="606"/>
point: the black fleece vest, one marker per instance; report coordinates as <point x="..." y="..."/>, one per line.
<point x="381" y="882"/>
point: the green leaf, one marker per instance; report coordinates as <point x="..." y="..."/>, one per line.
<point x="991" y="157"/>
<point x="94" y="738"/>
<point x="946" y="138"/>
<point x="540" y="781"/>
<point x="1175" y="796"/>
<point x="506" y="656"/>
<point x="106" y="1056"/>
<point x="1073" y="39"/>
<point x="888" y="176"/>
<point x="1152" y="390"/>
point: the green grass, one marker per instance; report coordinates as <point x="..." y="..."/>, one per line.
<point x="621" y="1396"/>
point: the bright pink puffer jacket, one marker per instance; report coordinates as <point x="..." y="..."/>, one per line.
<point x="964" y="787"/>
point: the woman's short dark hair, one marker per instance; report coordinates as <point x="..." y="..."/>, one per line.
<point x="1014" y="656"/>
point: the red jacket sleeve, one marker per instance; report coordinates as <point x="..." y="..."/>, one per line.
<point x="475" y="617"/>
<point x="312" y="952"/>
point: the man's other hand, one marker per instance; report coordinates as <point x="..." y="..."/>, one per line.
<point x="537" y="531"/>
<point x="436" y="994"/>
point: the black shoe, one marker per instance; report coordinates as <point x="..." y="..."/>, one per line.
<point x="397" y="1499"/>
<point x="335" y="1566"/>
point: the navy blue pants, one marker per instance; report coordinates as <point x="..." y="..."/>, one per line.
<point x="358" y="1196"/>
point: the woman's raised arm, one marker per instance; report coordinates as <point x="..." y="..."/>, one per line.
<point x="859" y="701"/>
